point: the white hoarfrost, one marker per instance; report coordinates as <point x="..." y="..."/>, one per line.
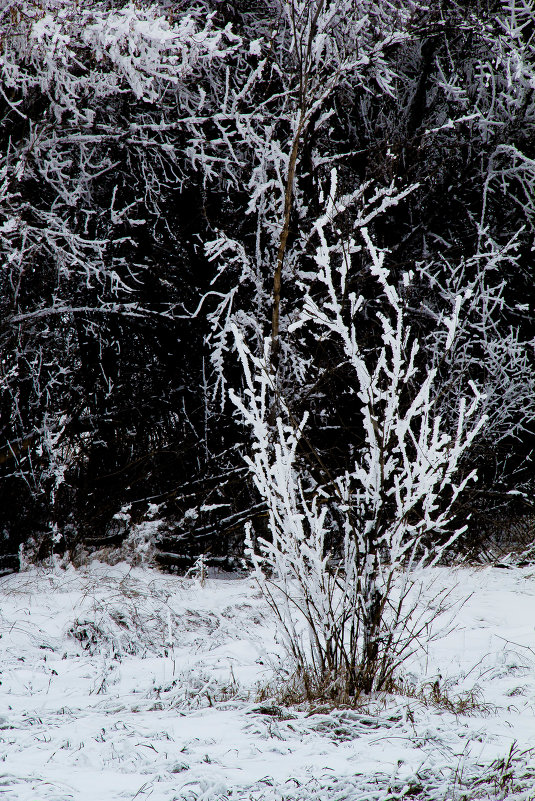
<point x="394" y="503"/>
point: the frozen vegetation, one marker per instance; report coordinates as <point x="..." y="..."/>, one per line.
<point x="266" y="296"/>
<point x="344" y="189"/>
<point x="124" y="683"/>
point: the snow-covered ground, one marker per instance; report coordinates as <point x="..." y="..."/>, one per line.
<point x="122" y="683"/>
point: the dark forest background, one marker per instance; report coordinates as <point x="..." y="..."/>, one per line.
<point x="145" y="160"/>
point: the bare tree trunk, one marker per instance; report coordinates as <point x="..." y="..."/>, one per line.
<point x="304" y="67"/>
<point x="288" y="199"/>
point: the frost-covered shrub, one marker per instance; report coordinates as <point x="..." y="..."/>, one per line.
<point x="334" y="553"/>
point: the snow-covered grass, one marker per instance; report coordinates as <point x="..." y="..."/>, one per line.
<point x="122" y="683"/>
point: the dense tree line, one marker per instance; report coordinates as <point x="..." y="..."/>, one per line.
<point x="169" y="173"/>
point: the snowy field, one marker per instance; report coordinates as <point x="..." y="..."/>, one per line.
<point x="122" y="683"/>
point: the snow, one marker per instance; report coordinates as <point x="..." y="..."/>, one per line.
<point x="123" y="683"/>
